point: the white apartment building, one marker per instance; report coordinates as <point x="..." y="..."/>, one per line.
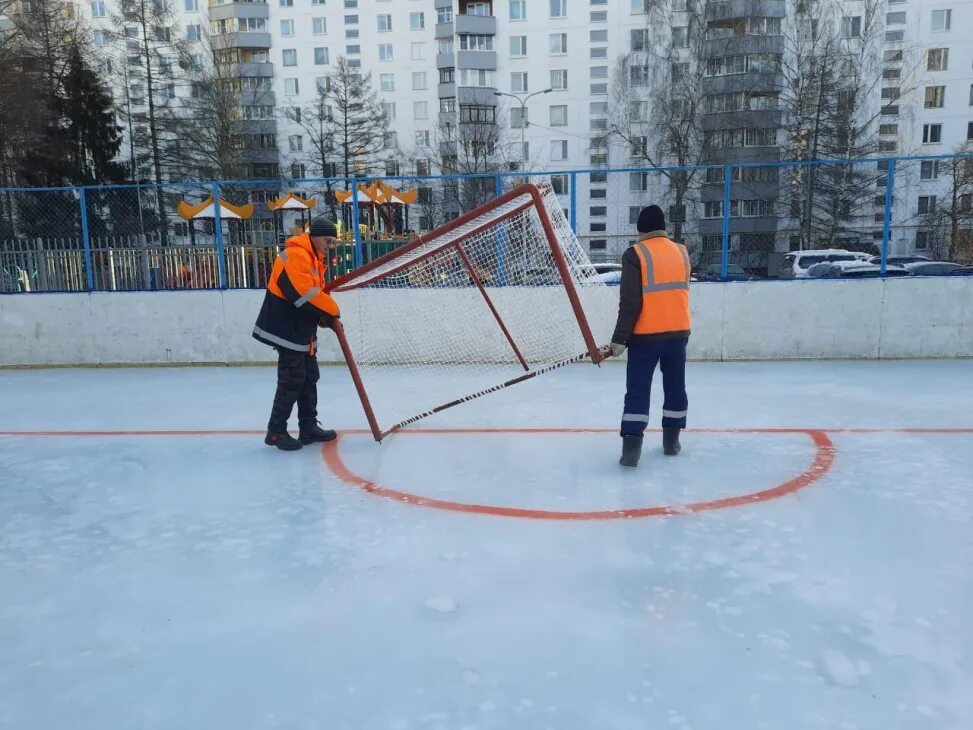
<point x="432" y="60"/>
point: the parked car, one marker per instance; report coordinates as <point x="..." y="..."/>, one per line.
<point x="797" y="263"/>
<point x="852" y="270"/>
<point x="962" y="271"/>
<point x="932" y="268"/>
<point x="900" y="260"/>
<point x="713" y="273"/>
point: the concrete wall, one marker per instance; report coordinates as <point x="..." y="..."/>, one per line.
<point x="895" y="318"/>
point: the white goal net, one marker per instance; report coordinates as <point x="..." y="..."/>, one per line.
<point x="497" y="293"/>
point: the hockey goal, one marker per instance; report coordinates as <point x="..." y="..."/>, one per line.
<point x="493" y="297"/>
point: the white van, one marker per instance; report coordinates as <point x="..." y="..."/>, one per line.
<point x="797" y="263"/>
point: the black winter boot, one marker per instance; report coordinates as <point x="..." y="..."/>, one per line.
<point x="670" y="441"/>
<point x="631" y="450"/>
<point x="312" y="432"/>
<point x="283" y="441"/>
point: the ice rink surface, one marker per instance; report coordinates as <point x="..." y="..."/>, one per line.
<point x="805" y="564"/>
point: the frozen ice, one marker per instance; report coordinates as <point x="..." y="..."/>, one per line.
<point x="157" y="579"/>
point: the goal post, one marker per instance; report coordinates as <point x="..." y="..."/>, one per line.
<point x="493" y="297"/>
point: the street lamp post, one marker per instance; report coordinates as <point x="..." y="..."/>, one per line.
<point x="523" y="116"/>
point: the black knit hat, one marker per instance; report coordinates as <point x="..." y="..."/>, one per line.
<point x="323" y="226"/>
<point x="651" y="219"/>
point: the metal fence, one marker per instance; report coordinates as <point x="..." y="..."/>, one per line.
<point x="741" y="220"/>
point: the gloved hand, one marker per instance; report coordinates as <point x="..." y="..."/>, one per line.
<point x="617" y="349"/>
<point x="327" y="321"/>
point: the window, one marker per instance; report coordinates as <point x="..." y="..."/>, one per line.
<point x="420" y="110"/>
<point x="518" y="9"/>
<point x="99" y="38"/>
<point x="640" y="147"/>
<point x="924" y="239"/>
<point x="287" y="28"/>
<point x="444" y="15"/>
<point x="417" y="21"/>
<point x="447" y="75"/>
<point x="598" y="193"/>
<point x="559" y="149"/>
<point x="932" y="133"/>
<point x="319" y="26"/>
<point x="193" y="32"/>
<point x="291" y="87"/>
<point x="895" y="18"/>
<point x="599" y="89"/>
<point x="638" y="75"/>
<point x="598" y="107"/>
<point x="422" y="168"/>
<point x="422" y="138"/>
<point x="480" y="9"/>
<point x="353" y="49"/>
<point x="935" y="97"/>
<point x="559" y="43"/>
<point x="474" y="42"/>
<point x="891" y="73"/>
<point x="891" y="93"/>
<point x="929" y="170"/>
<point x="296" y="143"/>
<point x="599" y="72"/>
<point x="971" y="94"/>
<point x="888" y="129"/>
<point x="638" y="111"/>
<point x="419" y="81"/>
<point x="320" y="56"/>
<point x="290" y="57"/>
<point x="633" y="214"/>
<point x="518" y="46"/>
<point x="559" y="115"/>
<point x="388" y="109"/>
<point x="386" y="82"/>
<point x="599" y="16"/>
<point x="599" y="53"/>
<point x="351" y="20"/>
<point x="893" y="56"/>
<point x="351" y="33"/>
<point x="518" y="115"/>
<point x="192" y="6"/>
<point x="98" y="9"/>
<point x="638" y="181"/>
<point x="680" y="37"/>
<point x="927" y="204"/>
<point x="384" y="23"/>
<point x="384" y="51"/>
<point x="518" y="81"/>
<point x="477" y="113"/>
<point x="559" y="8"/>
<point x="447" y="105"/>
<point x="390" y="141"/>
<point x="894" y="36"/>
<point x="446" y="46"/>
<point x="851" y="26"/>
<point x="754" y="208"/>
<point x="597" y="211"/>
<point x="942" y="20"/>
<point x="560" y="184"/>
<point x="640" y="39"/>
<point x="559" y="80"/>
<point x="598" y="36"/>
<point x="713" y="209"/>
<point x="937" y="59"/>
<point x="969" y="131"/>
<point x="418" y="51"/>
<point x="476" y="78"/>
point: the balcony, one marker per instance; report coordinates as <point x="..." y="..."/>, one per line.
<point x="445" y="60"/>
<point x="477" y="24"/>
<point x="242" y="39"/>
<point x="263" y="70"/>
<point x="477" y="60"/>
<point x="754" y="81"/>
<point x="741" y="119"/>
<point x="444" y="30"/>
<point x="734" y="45"/>
<point x="725" y="9"/>
<point x="475" y="95"/>
<point x="239" y="10"/>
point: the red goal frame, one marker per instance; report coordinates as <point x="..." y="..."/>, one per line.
<point x="534" y="199"/>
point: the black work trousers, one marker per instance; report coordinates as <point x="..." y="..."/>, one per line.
<point x="297" y="382"/>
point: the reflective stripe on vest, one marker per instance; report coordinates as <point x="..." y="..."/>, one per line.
<point x="651" y="285"/>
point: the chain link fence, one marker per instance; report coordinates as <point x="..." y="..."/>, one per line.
<point x="888" y="216"/>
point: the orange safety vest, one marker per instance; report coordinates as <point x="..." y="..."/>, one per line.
<point x="665" y="286"/>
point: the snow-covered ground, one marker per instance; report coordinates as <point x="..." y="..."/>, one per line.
<point x="805" y="564"/>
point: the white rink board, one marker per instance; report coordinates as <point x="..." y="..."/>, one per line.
<point x="895" y="318"/>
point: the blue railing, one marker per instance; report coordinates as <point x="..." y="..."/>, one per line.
<point x="114" y="237"/>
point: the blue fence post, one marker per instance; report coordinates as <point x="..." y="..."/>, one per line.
<point x="359" y="243"/>
<point x="218" y="235"/>
<point x="887" y="218"/>
<point x="89" y="265"/>
<point x="501" y="246"/>
<point x="725" y="245"/>
<point x="573" y="204"/>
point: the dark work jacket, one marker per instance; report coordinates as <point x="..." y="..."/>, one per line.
<point x="630" y="304"/>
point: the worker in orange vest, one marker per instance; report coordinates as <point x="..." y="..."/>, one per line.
<point x="653" y="323"/>
<point x="295" y="305"/>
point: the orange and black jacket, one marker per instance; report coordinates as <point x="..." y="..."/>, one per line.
<point x="296" y="302"/>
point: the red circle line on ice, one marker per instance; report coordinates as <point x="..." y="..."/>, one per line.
<point x="824" y="456"/>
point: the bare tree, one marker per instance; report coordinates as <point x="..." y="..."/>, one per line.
<point x="656" y="106"/>
<point x="948" y="224"/>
